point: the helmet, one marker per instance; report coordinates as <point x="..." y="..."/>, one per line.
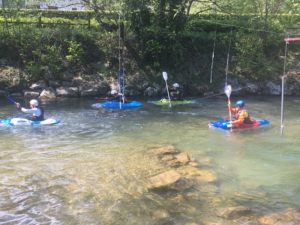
<point x="176" y="85"/>
<point x="240" y="103"/>
<point x="114" y="92"/>
<point x="34" y="102"/>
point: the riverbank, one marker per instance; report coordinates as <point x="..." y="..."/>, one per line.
<point x="15" y="82"/>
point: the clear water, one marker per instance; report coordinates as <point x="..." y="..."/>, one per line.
<point x="94" y="167"/>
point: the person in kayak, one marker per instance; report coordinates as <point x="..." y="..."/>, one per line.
<point x="176" y="92"/>
<point x="36" y="112"/>
<point x="116" y="96"/>
<point x="240" y="113"/>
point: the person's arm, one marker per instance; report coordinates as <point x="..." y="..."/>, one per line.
<point x="232" y="109"/>
<point x="240" y="119"/>
<point x="34" y="111"/>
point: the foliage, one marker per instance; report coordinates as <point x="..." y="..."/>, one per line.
<point x="172" y="35"/>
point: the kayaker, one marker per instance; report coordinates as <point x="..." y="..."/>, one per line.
<point x="240" y="113"/>
<point x="176" y="92"/>
<point x="116" y="96"/>
<point x="37" y="112"/>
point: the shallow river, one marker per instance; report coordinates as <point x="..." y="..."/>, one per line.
<point x="94" y="167"/>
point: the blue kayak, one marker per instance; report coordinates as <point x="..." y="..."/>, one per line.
<point x="117" y="105"/>
<point x="26" y="122"/>
<point x="224" y="124"/>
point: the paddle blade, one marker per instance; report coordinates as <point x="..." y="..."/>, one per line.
<point x="227" y="90"/>
<point x="10" y="100"/>
<point x="165" y="76"/>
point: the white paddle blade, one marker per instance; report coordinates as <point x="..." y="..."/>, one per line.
<point x="165" y="75"/>
<point x="227" y="90"/>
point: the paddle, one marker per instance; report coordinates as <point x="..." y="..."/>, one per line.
<point x="165" y="76"/>
<point x="11" y="100"/>
<point x="227" y="91"/>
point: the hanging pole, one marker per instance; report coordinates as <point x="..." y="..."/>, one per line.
<point x="287" y="40"/>
<point x="214" y="47"/>
<point x="227" y="61"/>
<point x="119" y="66"/>
<point x="212" y="58"/>
<point x="282" y="90"/>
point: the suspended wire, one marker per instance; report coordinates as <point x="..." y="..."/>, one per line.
<point x="244" y="28"/>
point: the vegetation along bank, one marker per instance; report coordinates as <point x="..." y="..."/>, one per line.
<point x="77" y="53"/>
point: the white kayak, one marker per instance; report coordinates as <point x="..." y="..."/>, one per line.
<point x="26" y="122"/>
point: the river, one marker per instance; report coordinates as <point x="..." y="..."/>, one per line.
<point x="94" y="167"/>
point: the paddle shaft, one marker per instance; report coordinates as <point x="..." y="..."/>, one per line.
<point x="168" y="94"/>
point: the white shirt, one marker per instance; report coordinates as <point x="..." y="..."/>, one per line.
<point x="34" y="111"/>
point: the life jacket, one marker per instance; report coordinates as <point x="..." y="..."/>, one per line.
<point x="247" y="119"/>
<point x="40" y="117"/>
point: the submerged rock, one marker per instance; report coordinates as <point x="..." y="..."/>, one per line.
<point x="200" y="175"/>
<point x="233" y="212"/>
<point x="164" y="150"/>
<point x="289" y="216"/>
<point x="164" y="180"/>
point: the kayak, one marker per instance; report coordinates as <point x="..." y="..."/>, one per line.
<point x="26" y="122"/>
<point x="117" y="105"/>
<point x="164" y="101"/>
<point x="224" y="124"/>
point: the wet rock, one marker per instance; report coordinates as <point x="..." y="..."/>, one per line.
<point x="233" y="212"/>
<point x="89" y="91"/>
<point x="164" y="180"/>
<point x="288" y="217"/>
<point x="252" y="88"/>
<point x="67" y="91"/>
<point x="38" y="86"/>
<point x="54" y="83"/>
<point x="272" y="88"/>
<point x="151" y="92"/>
<point x="48" y="93"/>
<point x="31" y="94"/>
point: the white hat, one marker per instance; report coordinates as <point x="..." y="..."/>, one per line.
<point x="113" y="92"/>
<point x="176" y="85"/>
<point x="34" y="102"/>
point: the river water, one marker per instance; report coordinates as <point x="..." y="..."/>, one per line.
<point x="94" y="167"/>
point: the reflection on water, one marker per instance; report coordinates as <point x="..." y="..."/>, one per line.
<point x="94" y="167"/>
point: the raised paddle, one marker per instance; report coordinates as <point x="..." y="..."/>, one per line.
<point x="11" y="100"/>
<point x="165" y="76"/>
<point x="227" y="91"/>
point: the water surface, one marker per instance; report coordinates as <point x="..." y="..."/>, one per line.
<point x="94" y="167"/>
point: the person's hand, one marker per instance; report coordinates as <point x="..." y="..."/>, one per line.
<point x="18" y="105"/>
